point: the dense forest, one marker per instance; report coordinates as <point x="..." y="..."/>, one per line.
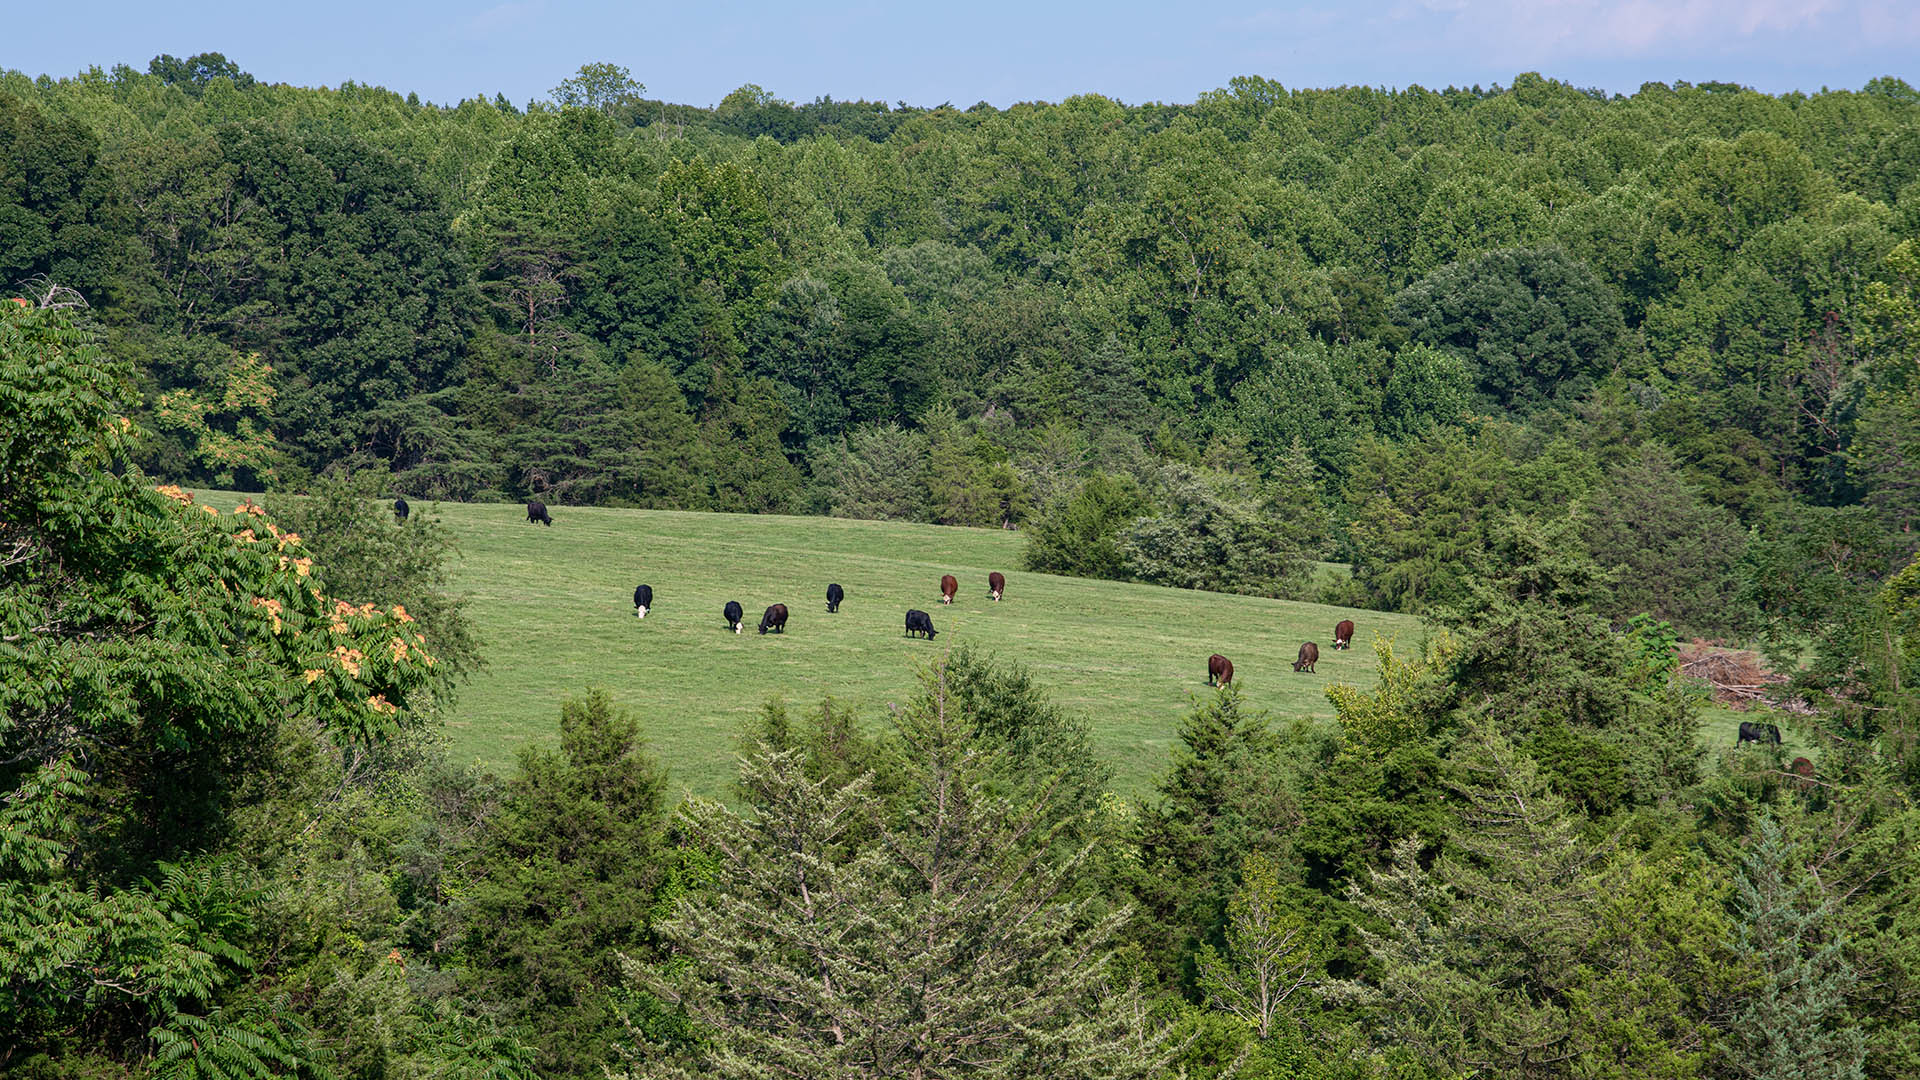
<point x="1575" y="376"/>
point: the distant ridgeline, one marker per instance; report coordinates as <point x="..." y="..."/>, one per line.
<point x="1195" y="344"/>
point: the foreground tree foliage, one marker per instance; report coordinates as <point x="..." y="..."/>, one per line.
<point x="939" y="936"/>
<point x="152" y="652"/>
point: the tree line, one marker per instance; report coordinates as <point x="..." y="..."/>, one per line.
<point x="1196" y="344"/>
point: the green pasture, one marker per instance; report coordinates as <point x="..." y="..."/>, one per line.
<point x="554" y="607"/>
<point x="554" y="610"/>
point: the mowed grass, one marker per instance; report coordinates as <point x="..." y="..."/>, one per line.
<point x="554" y="608"/>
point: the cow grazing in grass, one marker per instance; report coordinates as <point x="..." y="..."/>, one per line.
<point x="1752" y="731"/>
<point x="996" y="584"/>
<point x="1803" y="769"/>
<point x="1309" y="656"/>
<point x="736" y="618"/>
<point x="642" y="600"/>
<point x="775" y="619"/>
<point x="1219" y="670"/>
<point x="537" y="511"/>
<point x="919" y="622"/>
<point x="835" y="594"/>
<point x="401" y="509"/>
<point x="948" y="586"/>
<point x="1343" y="634"/>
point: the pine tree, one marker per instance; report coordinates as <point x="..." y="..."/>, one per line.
<point x="1795" y="1024"/>
<point x="573" y="868"/>
<point x="1223" y="799"/>
<point x="944" y="945"/>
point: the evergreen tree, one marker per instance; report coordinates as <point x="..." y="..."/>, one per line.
<point x="1079" y="533"/>
<point x="878" y="473"/>
<point x="1794" y="1023"/>
<point x="1223" y="799"/>
<point x="571" y="871"/>
<point x="948" y="945"/>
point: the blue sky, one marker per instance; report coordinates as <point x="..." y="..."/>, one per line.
<point x="992" y="50"/>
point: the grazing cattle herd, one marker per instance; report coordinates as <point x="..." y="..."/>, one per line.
<point x="919" y="623"/>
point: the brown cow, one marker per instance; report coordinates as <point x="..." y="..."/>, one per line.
<point x="1219" y="670"/>
<point x="996" y="584"/>
<point x="775" y="619"/>
<point x="1309" y="656"/>
<point x="1343" y="634"/>
<point x="948" y="586"/>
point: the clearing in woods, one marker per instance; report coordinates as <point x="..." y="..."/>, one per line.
<point x="554" y="607"/>
<point x="554" y="611"/>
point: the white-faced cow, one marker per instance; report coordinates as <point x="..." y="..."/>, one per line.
<point x="996" y="584"/>
<point x="1219" y="670"/>
<point x="642" y="601"/>
<point x="736" y="618"/>
<point x="949" y="585"/>
<point x="1343" y="634"/>
<point x="1309" y="656"/>
<point x="919" y="622"/>
<point x="775" y="619"/>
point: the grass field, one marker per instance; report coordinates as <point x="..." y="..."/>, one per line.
<point x="554" y="610"/>
<point x="555" y="614"/>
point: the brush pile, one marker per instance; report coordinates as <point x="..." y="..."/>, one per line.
<point x="1738" y="678"/>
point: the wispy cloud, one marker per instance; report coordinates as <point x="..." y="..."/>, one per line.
<point x="1625" y="29"/>
<point x="1532" y="32"/>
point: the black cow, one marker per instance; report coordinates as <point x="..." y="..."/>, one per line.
<point x="1343" y="634"/>
<point x="736" y="618"/>
<point x="1751" y="731"/>
<point x="775" y="619"/>
<point x="919" y="622"/>
<point x="537" y="511"/>
<point x="996" y="584"/>
<point x="1219" y="670"/>
<point x="835" y="594"/>
<point x="642" y="600"/>
<point x="400" y="510"/>
<point x="1309" y="656"/>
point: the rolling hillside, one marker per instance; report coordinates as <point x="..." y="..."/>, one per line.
<point x="554" y="606"/>
<point x="554" y="612"/>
